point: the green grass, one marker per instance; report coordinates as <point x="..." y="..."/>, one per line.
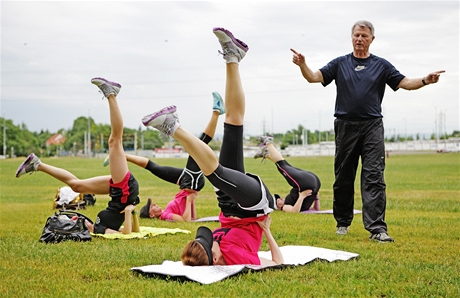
<point x="423" y="215"/>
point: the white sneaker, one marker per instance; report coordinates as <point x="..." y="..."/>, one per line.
<point x="381" y="237"/>
<point x="29" y="165"/>
<point x="264" y="140"/>
<point x="106" y="86"/>
<point x="233" y="49"/>
<point x="262" y="152"/>
<point x="342" y="230"/>
<point x="165" y="120"/>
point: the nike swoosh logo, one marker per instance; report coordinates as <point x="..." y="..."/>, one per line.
<point x="360" y="67"/>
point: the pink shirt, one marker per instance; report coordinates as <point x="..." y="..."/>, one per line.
<point x="241" y="243"/>
<point x="177" y="206"/>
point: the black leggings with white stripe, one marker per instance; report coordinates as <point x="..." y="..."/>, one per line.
<point x="173" y="174"/>
<point x="236" y="186"/>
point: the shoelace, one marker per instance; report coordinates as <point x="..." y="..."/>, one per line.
<point x="103" y="96"/>
<point x="106" y="89"/>
<point x="263" y="154"/>
<point x="222" y="53"/>
<point x="264" y="158"/>
<point x="167" y="127"/>
<point x="228" y="49"/>
<point x="31" y="168"/>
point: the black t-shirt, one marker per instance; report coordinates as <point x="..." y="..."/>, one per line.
<point x="360" y="85"/>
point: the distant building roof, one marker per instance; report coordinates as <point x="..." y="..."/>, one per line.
<point x="55" y="139"/>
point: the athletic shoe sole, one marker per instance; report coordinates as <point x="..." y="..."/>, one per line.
<point x="149" y="118"/>
<point x="99" y="81"/>
<point x="23" y="165"/>
<point x="229" y="34"/>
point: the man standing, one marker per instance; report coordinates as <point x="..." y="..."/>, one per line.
<point x="361" y="78"/>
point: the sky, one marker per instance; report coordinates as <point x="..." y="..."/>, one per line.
<point x="165" y="53"/>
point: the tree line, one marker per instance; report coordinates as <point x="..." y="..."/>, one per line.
<point x="18" y="140"/>
<point x="21" y="142"/>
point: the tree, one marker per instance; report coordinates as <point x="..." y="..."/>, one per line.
<point x="18" y="138"/>
<point x="153" y="139"/>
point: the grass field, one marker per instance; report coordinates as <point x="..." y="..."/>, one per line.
<point x="423" y="215"/>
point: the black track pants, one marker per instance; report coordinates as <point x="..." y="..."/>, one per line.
<point x="355" y="139"/>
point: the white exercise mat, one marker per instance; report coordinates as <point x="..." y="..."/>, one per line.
<point x="293" y="256"/>
<point x="327" y="211"/>
<point x="206" y="219"/>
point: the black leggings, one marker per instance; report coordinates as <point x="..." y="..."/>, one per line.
<point x="236" y="186"/>
<point x="298" y="178"/>
<point x="173" y="174"/>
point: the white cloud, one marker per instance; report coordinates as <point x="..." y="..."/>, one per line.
<point x="165" y="53"/>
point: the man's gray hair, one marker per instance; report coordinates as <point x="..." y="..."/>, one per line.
<point x="363" y="23"/>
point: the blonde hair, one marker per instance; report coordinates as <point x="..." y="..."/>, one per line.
<point x="194" y="255"/>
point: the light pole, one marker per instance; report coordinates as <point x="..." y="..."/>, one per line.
<point x="273" y="129"/>
<point x="4" y="136"/>
<point x="89" y="136"/>
<point x="405" y="132"/>
<point x="405" y="129"/>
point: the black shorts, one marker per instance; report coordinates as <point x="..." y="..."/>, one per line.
<point x="109" y="218"/>
<point x="123" y="194"/>
<point x="191" y="180"/>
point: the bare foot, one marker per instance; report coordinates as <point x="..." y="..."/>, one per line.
<point x="89" y="225"/>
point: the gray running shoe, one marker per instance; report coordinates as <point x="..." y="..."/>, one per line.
<point x="262" y="152"/>
<point x="381" y="237"/>
<point x="165" y="120"/>
<point x="218" y="103"/>
<point x="230" y="45"/>
<point x="342" y="230"/>
<point x="30" y="165"/>
<point x="106" y="87"/>
<point x="264" y="140"/>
